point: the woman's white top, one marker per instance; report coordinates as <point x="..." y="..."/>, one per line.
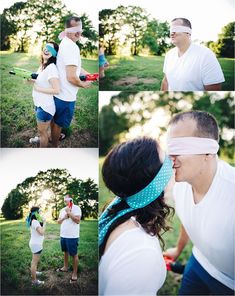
<point x="132" y="265"/>
<point x="36" y="240"/>
<point x="45" y="101"/>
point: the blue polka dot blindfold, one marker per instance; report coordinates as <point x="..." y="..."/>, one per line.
<point x="138" y="200"/>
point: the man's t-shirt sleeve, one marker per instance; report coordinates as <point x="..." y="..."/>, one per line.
<point x="71" y="55"/>
<point x="211" y="70"/>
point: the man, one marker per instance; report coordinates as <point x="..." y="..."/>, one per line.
<point x="69" y="219"/>
<point x="188" y="66"/>
<point x="205" y="203"/>
<point x="69" y="67"/>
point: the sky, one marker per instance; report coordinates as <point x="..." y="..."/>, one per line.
<point x="207" y="16"/>
<point x="19" y="164"/>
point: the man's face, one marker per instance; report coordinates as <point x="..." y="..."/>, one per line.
<point x="187" y="167"/>
<point x="74" y="36"/>
<point x="178" y="38"/>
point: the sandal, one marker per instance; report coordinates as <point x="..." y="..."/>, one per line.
<point x="61" y="270"/>
<point x="72" y="281"/>
<point x="62" y="137"/>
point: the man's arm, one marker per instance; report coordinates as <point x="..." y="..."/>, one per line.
<point x="181" y="243"/>
<point x="74" y="79"/>
<point x="75" y="218"/>
<point x="210" y="87"/>
<point x="60" y="220"/>
<point x="164" y="85"/>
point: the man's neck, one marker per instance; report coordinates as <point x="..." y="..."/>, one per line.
<point x="182" y="48"/>
<point x="202" y="183"/>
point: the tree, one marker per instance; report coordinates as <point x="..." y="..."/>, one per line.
<point x="85" y="194"/>
<point x="224" y="46"/>
<point x="110" y="24"/>
<point x="155" y="37"/>
<point x="136" y="17"/>
<point x="20" y="15"/>
<point x="59" y="182"/>
<point x="12" y="206"/>
<point x="7" y="29"/>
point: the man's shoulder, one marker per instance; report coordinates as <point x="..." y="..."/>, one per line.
<point x="226" y="172"/>
<point x="171" y="51"/>
<point x="68" y="43"/>
<point x="76" y="207"/>
<point x="201" y="49"/>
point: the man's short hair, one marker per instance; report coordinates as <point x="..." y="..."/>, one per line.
<point x="185" y="21"/>
<point x="70" y="19"/>
<point x="207" y="126"/>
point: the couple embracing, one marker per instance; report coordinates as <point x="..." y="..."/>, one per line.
<point x="55" y="89"/>
<point x="130" y="229"/>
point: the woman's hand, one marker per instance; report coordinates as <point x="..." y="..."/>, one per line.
<point x="30" y="81"/>
<point x="172" y="253"/>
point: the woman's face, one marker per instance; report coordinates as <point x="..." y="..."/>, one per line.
<point x="46" y="54"/>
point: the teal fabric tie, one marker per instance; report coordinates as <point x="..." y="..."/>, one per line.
<point x="51" y="50"/>
<point x="138" y="200"/>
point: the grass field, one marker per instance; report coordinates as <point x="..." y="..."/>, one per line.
<point x="16" y="258"/>
<point x="145" y="73"/>
<point x="18" y="119"/>
<point x="172" y="283"/>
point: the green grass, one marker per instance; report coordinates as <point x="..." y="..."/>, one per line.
<point x="18" y="119"/>
<point x="16" y="258"/>
<point x="172" y="283"/>
<point x="145" y="73"/>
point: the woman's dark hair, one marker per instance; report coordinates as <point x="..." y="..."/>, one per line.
<point x="51" y="59"/>
<point x="34" y="209"/>
<point x="128" y="168"/>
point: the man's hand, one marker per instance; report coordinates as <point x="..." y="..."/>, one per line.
<point x="172" y="253"/>
<point x="67" y="210"/>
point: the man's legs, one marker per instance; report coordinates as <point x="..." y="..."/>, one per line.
<point x="55" y="134"/>
<point x="75" y="267"/>
<point x="197" y="281"/>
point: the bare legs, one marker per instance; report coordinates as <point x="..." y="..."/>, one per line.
<point x="34" y="265"/>
<point x="75" y="267"/>
<point x="43" y="132"/>
<point x="55" y="134"/>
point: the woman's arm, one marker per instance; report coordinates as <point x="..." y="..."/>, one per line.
<point x="53" y="90"/>
<point x="41" y="230"/>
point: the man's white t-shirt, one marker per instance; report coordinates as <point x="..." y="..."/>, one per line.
<point x="36" y="240"/>
<point x="69" y="54"/>
<point x="210" y="224"/>
<point x="45" y="101"/>
<point x="132" y="265"/>
<point x="197" y="67"/>
<point x="68" y="228"/>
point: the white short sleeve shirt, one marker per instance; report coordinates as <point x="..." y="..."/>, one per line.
<point x="36" y="240"/>
<point x="68" y="228"/>
<point x="132" y="265"/>
<point x="197" y="67"/>
<point x="45" y="101"/>
<point x="210" y="224"/>
<point x="69" y="54"/>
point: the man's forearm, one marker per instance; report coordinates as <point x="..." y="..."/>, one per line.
<point x="61" y="220"/>
<point x="182" y="240"/>
<point x="164" y="85"/>
<point x="75" y="219"/>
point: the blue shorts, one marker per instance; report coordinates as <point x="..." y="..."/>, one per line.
<point x="42" y="115"/>
<point x="197" y="281"/>
<point x="64" y="112"/>
<point x="69" y="245"/>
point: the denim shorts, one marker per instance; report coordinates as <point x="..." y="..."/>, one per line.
<point x="42" y="115"/>
<point x="64" y="112"/>
<point x="69" y="245"/>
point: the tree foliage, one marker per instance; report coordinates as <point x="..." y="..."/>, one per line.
<point x="59" y="183"/>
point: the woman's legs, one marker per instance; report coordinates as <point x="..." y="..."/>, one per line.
<point x="34" y="265"/>
<point x="43" y="132"/>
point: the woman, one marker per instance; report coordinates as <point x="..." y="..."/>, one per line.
<point x="37" y="228"/>
<point x="45" y="86"/>
<point x="141" y="176"/>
